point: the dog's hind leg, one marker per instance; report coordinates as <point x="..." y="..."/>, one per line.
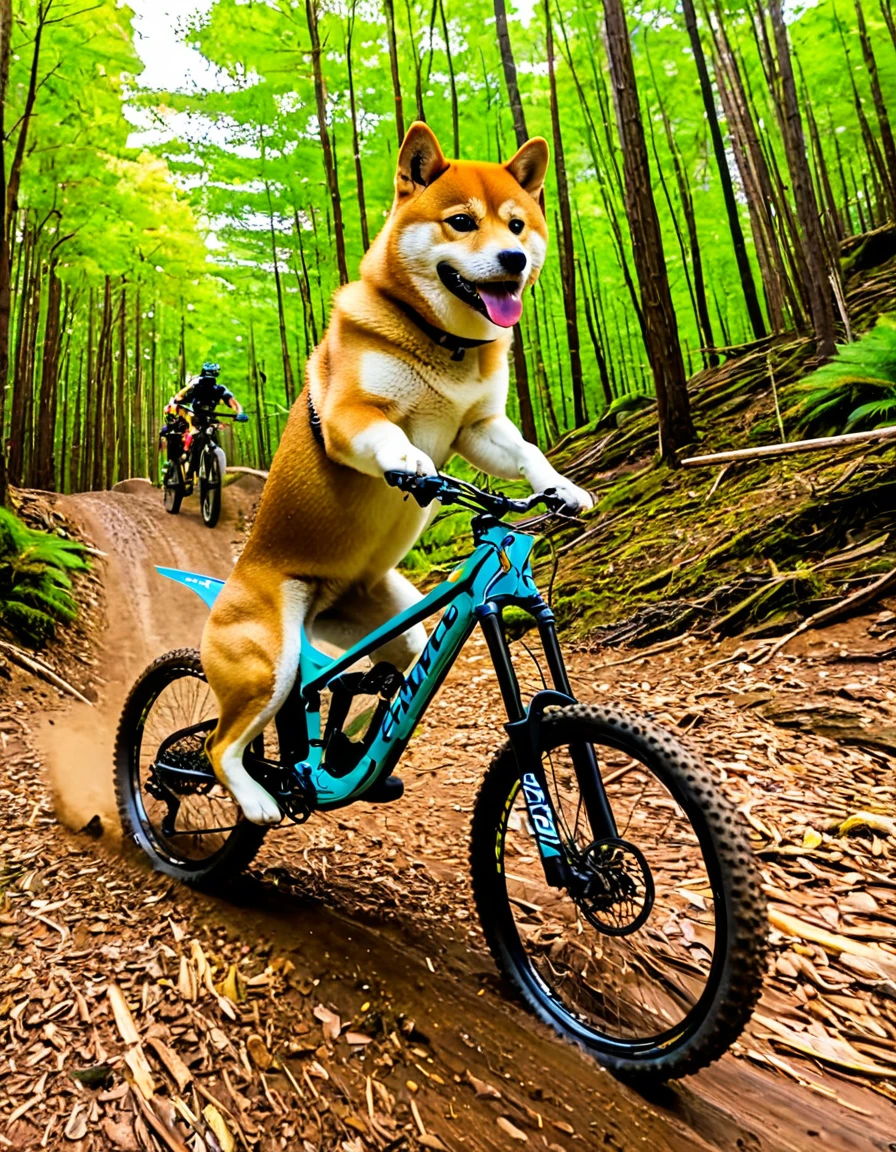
<point x="250" y="654"/>
<point x="360" y="610"/>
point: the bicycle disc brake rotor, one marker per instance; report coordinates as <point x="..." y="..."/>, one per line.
<point x="614" y="889"/>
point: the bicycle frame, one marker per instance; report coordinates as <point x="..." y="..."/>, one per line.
<point x="496" y="575"/>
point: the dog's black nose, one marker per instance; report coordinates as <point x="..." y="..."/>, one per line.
<point x="512" y="260"/>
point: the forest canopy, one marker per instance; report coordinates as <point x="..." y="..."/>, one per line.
<point x="146" y="231"/>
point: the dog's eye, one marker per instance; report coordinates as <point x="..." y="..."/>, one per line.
<point x="462" y="222"/>
<point x="516" y="226"/>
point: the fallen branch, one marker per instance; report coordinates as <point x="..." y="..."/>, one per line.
<point x="772" y="450"/>
<point x="38" y="668"/>
<point x="645" y="653"/>
<point x="718" y="480"/>
<point x="847" y="604"/>
<point x="246" y="472"/>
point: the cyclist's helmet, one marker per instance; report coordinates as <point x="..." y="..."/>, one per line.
<point x="210" y="371"/>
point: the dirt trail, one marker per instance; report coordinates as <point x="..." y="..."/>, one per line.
<point x="145" y="616"/>
<point x="309" y="916"/>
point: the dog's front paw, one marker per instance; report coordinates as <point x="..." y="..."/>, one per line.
<point x="412" y="460"/>
<point x="575" y="498"/>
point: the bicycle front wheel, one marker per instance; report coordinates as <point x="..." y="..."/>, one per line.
<point x="653" y="957"/>
<point x="210" y="485"/>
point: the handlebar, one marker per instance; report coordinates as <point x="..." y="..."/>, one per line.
<point x="450" y="490"/>
<point x="242" y="417"/>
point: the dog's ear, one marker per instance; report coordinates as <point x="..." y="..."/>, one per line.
<point x="529" y="167"/>
<point x="420" y="161"/>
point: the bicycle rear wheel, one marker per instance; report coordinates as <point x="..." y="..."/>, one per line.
<point x="173" y="488"/>
<point x="653" y="958"/>
<point x="198" y="833"/>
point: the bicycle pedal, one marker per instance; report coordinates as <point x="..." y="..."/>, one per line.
<point x="392" y="788"/>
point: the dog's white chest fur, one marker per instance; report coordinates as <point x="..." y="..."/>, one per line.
<point x="431" y="404"/>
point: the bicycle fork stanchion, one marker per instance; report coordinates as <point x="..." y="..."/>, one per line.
<point x="594" y="795"/>
<point x="522" y="730"/>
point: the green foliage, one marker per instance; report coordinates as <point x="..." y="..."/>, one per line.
<point x="35" y="585"/>
<point x="855" y="391"/>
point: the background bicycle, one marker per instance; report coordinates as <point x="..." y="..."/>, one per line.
<point x="195" y="454"/>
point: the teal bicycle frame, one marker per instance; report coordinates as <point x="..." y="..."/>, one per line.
<point x="496" y="575"/>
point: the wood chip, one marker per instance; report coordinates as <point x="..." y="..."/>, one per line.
<point x="124" y="1021"/>
<point x="511" y="1130"/>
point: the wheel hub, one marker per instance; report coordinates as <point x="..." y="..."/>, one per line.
<point x="613" y="887"/>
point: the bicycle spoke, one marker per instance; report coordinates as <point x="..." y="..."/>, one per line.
<point x="626" y="987"/>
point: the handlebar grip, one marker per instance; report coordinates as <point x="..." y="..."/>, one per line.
<point x="396" y="479"/>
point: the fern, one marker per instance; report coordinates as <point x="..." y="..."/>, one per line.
<point x="854" y="392"/>
<point x="35" y="585"/>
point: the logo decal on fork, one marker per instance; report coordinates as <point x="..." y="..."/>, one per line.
<point x="541" y="816"/>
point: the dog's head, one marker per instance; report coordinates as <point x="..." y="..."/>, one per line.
<point x="465" y="239"/>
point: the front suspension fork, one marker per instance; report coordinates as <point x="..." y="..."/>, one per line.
<point x="523" y="729"/>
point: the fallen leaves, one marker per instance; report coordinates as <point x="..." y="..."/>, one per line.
<point x="124" y="1021"/>
<point x="826" y="1048"/>
<point x="511" y="1130"/>
<point x="261" y="1058"/>
<point x="331" y="1025"/>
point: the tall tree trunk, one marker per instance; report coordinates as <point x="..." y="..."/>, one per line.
<point x="520" y="366"/>
<point x="844" y="187"/>
<point x="21" y="400"/>
<point x="452" y="81"/>
<point x="591" y="318"/>
<point x="305" y="280"/>
<point x="762" y="202"/>
<point x="182" y="348"/>
<point x="49" y="382"/>
<point x="418" y="66"/>
<point x="745" y="272"/>
<point x="389" y="9"/>
<point x="103" y="391"/>
<point x="260" y="428"/>
<point x="289" y="386"/>
<point x="508" y="63"/>
<point x="663" y="347"/>
<point x="886" y="7"/>
<point x="15" y="169"/>
<point x="820" y="300"/>
<point x="152" y="426"/>
<point x="880" y="108"/>
<point x="567" y="241"/>
<point x="356" y="140"/>
<point x="879" y="171"/>
<point x="116" y="435"/>
<point x="29" y="371"/>
<point x="74" y="473"/>
<point x="608" y="173"/>
<point x="139" y="441"/>
<point x="833" y="221"/>
<point x="320" y="97"/>
<point x="86" y="473"/>
<point x="5" y="295"/>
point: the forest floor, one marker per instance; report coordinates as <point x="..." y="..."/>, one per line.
<point x="340" y="996"/>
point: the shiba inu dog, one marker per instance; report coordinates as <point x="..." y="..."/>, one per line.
<point x="413" y="368"/>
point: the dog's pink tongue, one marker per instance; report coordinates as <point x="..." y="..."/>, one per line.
<point x="503" y="308"/>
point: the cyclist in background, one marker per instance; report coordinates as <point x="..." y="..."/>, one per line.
<point x="203" y="395"/>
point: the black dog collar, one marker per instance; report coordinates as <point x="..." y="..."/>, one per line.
<point x="456" y="345"/>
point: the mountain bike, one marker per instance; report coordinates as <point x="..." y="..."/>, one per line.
<point x="614" y="880"/>
<point x="201" y="456"/>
